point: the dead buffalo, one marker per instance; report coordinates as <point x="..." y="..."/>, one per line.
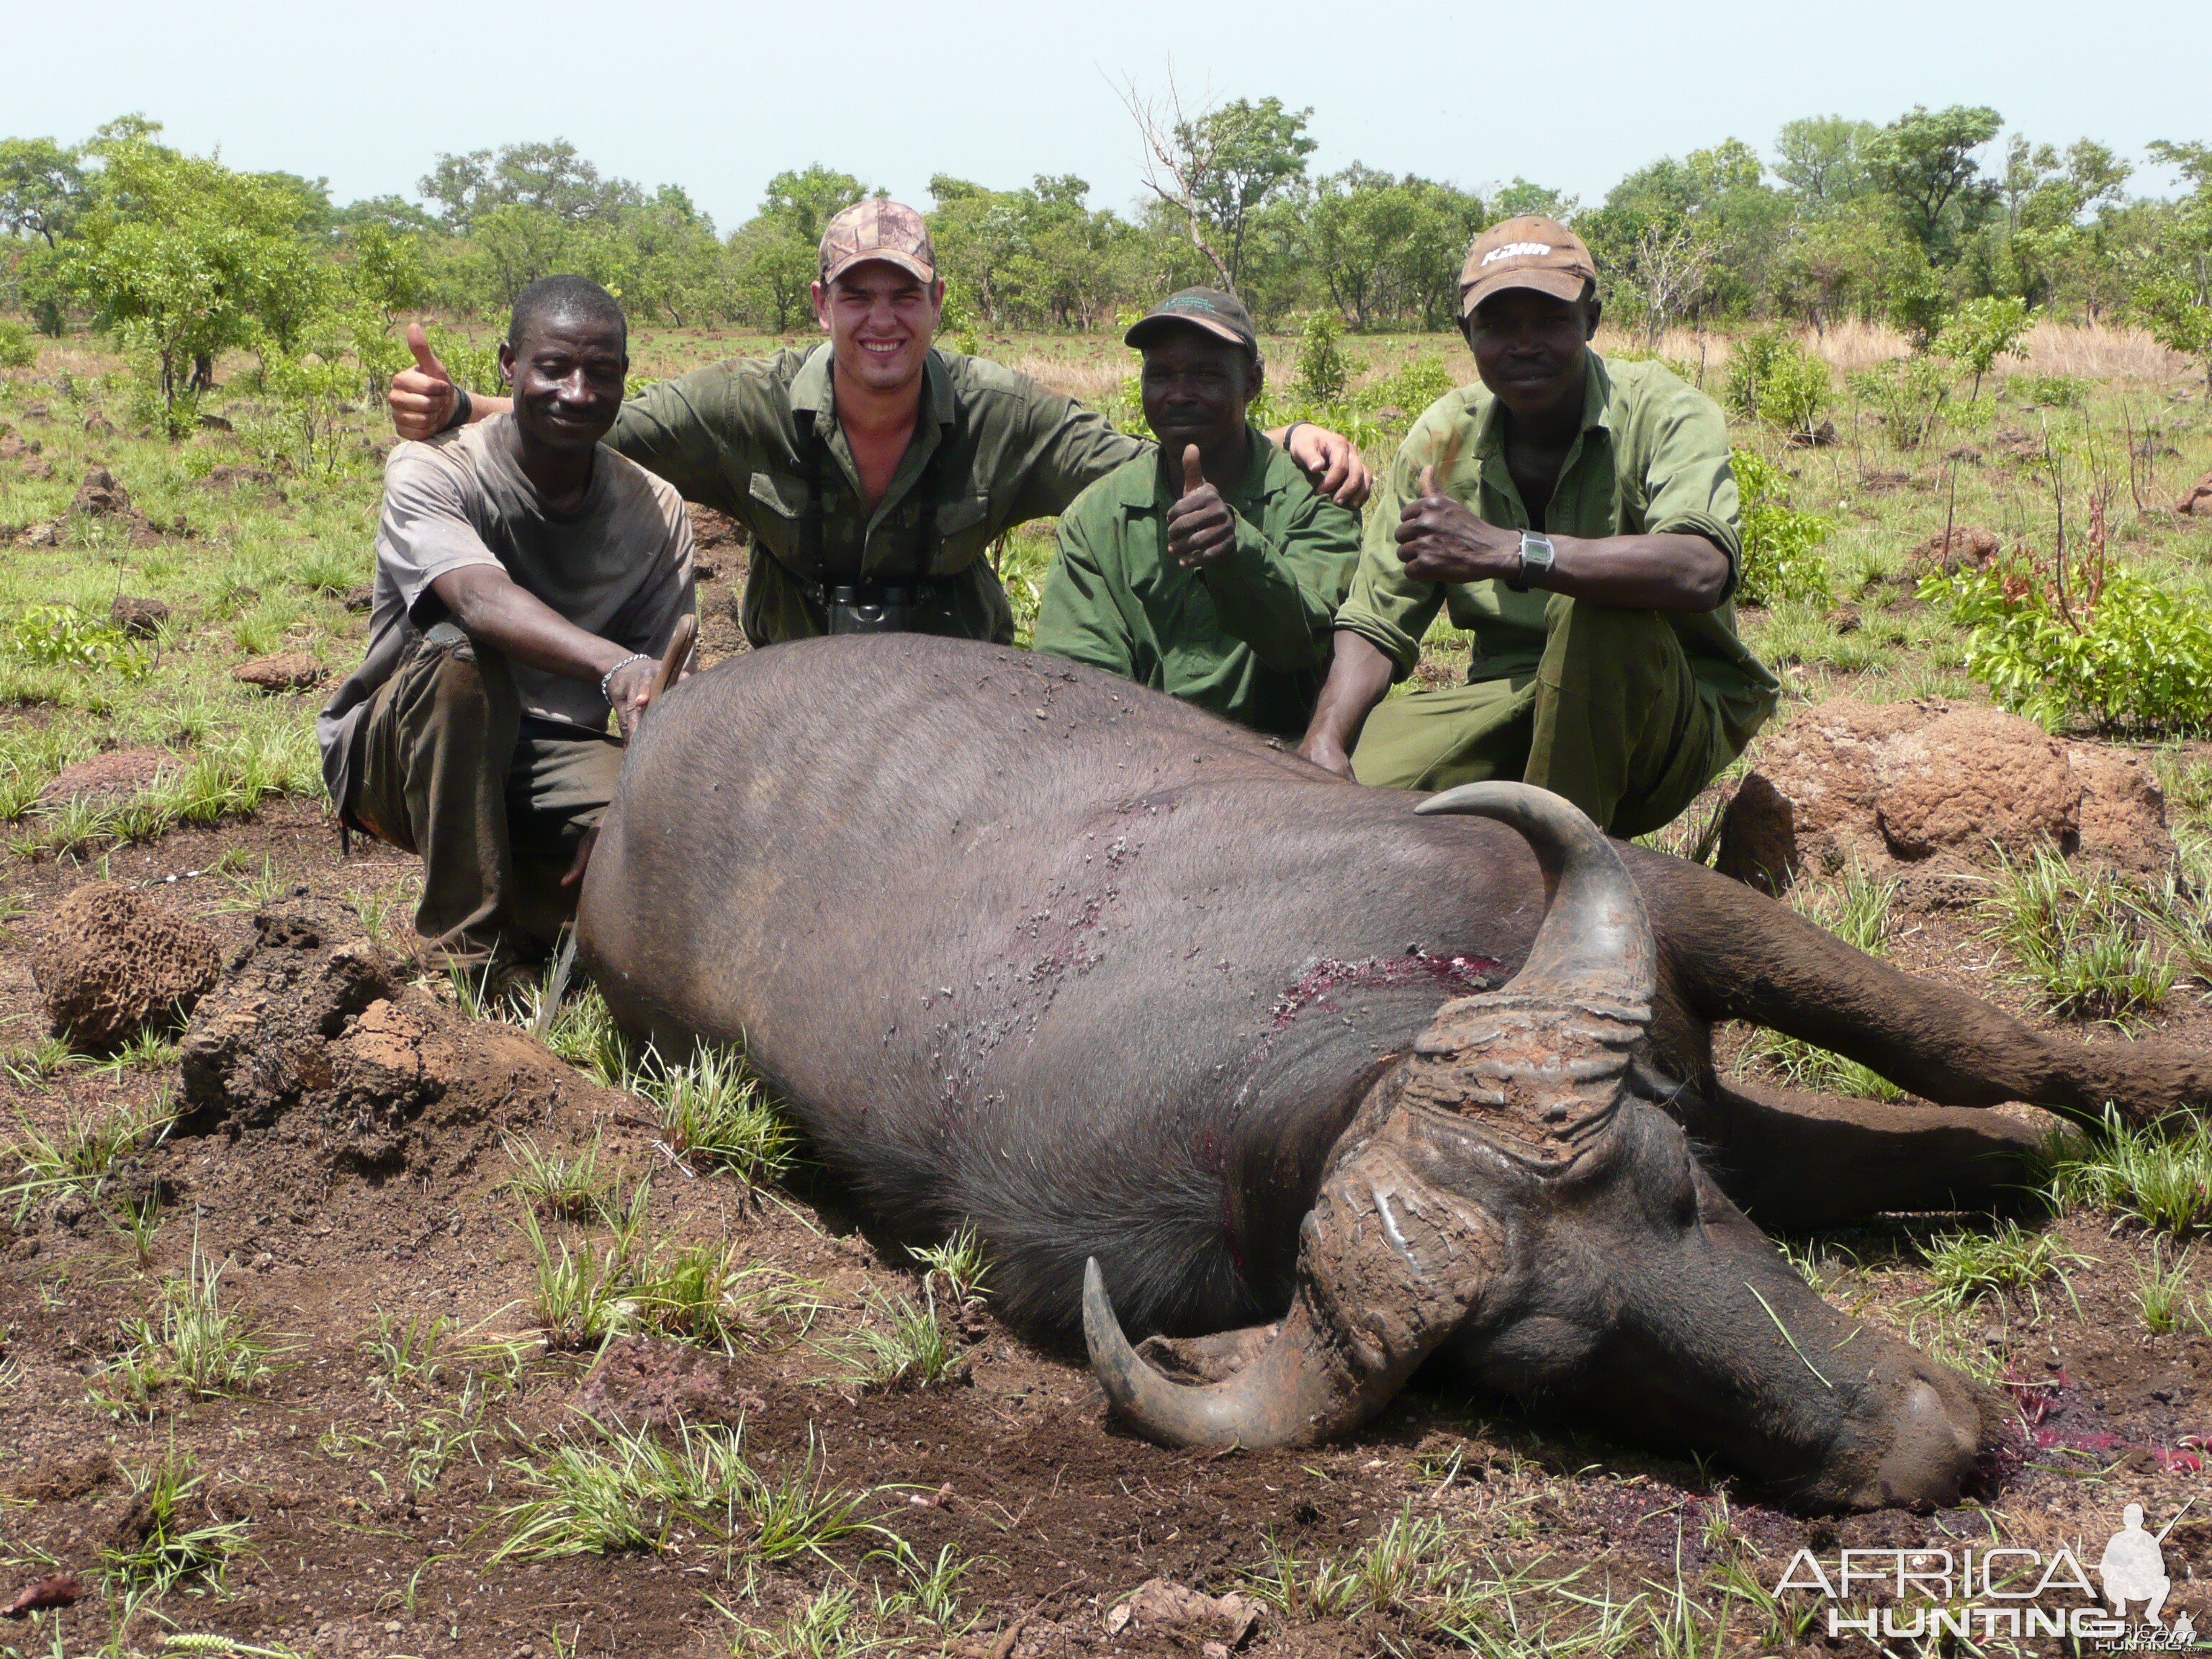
<point x="1023" y="944"/>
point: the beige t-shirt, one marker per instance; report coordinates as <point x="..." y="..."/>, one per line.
<point x="619" y="566"/>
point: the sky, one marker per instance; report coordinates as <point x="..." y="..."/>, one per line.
<point x="719" y="98"/>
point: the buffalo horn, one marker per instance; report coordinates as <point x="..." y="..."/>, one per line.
<point x="1595" y="943"/>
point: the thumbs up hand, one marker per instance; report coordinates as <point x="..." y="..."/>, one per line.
<point x="1442" y="541"/>
<point x="421" y="398"/>
<point x="1201" y="528"/>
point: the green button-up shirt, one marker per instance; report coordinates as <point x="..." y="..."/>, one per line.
<point x="1652" y="457"/>
<point x="727" y="436"/>
<point x="1249" y="637"/>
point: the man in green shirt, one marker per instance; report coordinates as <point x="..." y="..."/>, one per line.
<point x="1210" y="569"/>
<point x="1579" y="517"/>
<point x="875" y="473"/>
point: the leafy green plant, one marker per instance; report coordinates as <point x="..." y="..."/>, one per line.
<point x="961" y="1261"/>
<point x="706" y="1295"/>
<point x="1908" y="395"/>
<point x="1780" y="556"/>
<point x="900" y="1343"/>
<point x="568" y="1187"/>
<point x="2048" y="391"/>
<point x="2095" y="641"/>
<point x="715" y="1114"/>
<point x="17" y="349"/>
<point x="1417" y="384"/>
<point x="2161" y="1292"/>
<point x="1979" y="333"/>
<point x="1323" y="374"/>
<point x="86" y="1151"/>
<point x="62" y="636"/>
<point x="1772" y="379"/>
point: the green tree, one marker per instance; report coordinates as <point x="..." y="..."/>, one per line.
<point x="1514" y="200"/>
<point x="1924" y="162"/>
<point x="183" y="258"/>
<point x="42" y="188"/>
<point x="1823" y="160"/>
<point x="550" y="178"/>
<point x="774" y="253"/>
<point x="1254" y="154"/>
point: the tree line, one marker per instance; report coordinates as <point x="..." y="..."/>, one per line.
<point x="1907" y="222"/>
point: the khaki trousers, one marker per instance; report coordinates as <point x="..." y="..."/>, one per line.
<point x="495" y="803"/>
<point x="1612" y="718"/>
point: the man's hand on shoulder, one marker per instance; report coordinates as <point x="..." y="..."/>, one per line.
<point x="1441" y="540"/>
<point x="1332" y="461"/>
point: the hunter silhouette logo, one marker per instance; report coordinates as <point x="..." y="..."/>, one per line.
<point x="2133" y="1567"/>
<point x="2004" y="1590"/>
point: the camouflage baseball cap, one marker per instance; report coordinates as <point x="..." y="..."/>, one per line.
<point x="889" y="231"/>
<point x="1529" y="251"/>
<point x="1210" y="308"/>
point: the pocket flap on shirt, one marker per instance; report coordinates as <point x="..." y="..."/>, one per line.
<point x="958" y="513"/>
<point x="782" y="496"/>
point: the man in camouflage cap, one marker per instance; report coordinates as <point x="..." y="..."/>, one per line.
<point x="1579" y="518"/>
<point x="873" y="472"/>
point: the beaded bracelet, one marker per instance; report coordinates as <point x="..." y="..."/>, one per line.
<point x="635" y="656"/>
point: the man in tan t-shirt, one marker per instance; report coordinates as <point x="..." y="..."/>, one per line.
<point x="527" y="580"/>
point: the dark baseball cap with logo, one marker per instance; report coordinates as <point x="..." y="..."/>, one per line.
<point x="889" y="231"/>
<point x="1220" y="314"/>
<point x="1530" y="252"/>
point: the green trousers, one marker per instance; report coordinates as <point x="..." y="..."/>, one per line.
<point x="1612" y="718"/>
<point x="495" y="803"/>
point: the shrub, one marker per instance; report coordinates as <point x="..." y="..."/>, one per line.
<point x="17" y="349"/>
<point x="1411" y="389"/>
<point x="1780" y="557"/>
<point x="2054" y="642"/>
<point x="1979" y="333"/>
<point x="2048" y="391"/>
<point x="1774" y="379"/>
<point x="1908" y="395"/>
<point x="62" y="636"/>
<point x="1323" y="374"/>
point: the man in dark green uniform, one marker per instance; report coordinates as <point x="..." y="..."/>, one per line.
<point x="874" y="473"/>
<point x="1210" y="569"/>
<point x="1579" y="517"/>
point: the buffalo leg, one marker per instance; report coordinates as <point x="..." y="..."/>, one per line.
<point x="1793" y="1159"/>
<point x="1738" y="955"/>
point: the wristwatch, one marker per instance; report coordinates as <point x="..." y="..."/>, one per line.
<point x="1536" y="558"/>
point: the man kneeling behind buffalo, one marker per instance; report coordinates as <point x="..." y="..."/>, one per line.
<point x="1210" y="568"/>
<point x="527" y="580"/>
<point x="1578" y="517"/>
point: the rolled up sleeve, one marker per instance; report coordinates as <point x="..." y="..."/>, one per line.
<point x="1688" y="486"/>
<point x="1280" y="596"/>
<point x="1079" y="617"/>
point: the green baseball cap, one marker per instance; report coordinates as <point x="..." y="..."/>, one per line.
<point x="1220" y="314"/>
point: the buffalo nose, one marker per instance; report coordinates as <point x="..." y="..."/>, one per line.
<point x="1932" y="1451"/>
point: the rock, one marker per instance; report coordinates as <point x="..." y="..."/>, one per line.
<point x="311" y="1031"/>
<point x="111" y="776"/>
<point x="1970" y="548"/>
<point x="711" y="530"/>
<point x="99" y="425"/>
<point x="2197" y="496"/>
<point x="1822" y="436"/>
<point x="140" y="618"/>
<point x="215" y="423"/>
<point x="49" y="534"/>
<point x="288" y="670"/>
<point x="26" y="456"/>
<point x="1966" y="453"/>
<point x="1161" y="1605"/>
<point x="1897" y="786"/>
<point x="358" y="598"/>
<point x="35" y="412"/>
<point x="115" y="961"/>
<point x="229" y="476"/>
<point x="101" y="496"/>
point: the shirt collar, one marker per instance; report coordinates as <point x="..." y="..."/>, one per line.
<point x="1156" y="489"/>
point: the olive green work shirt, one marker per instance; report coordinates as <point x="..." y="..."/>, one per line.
<point x="1248" y="638"/>
<point x="727" y="436"/>
<point x="1652" y="459"/>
